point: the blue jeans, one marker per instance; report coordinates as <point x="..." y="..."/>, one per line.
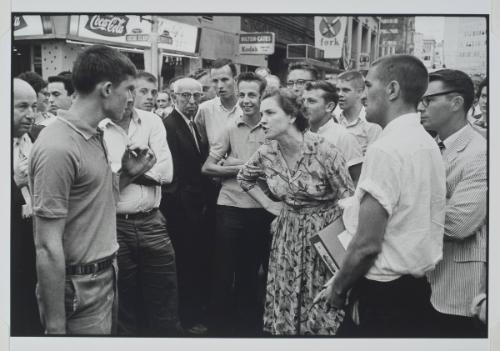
<point x="147" y="278"/>
<point x="90" y="303"/>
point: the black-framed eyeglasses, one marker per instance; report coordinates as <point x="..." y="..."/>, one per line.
<point x="187" y="96"/>
<point x="299" y="82"/>
<point x="426" y="99"/>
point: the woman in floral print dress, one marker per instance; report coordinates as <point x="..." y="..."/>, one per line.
<point x="308" y="175"/>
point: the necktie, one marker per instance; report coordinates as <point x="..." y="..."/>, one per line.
<point x="194" y="131"/>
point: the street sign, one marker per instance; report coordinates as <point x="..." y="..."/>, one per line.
<point x="329" y="34"/>
<point x="257" y="43"/>
<point x="137" y="37"/>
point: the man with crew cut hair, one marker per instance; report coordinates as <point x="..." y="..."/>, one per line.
<point x="74" y="190"/>
<point x="350" y="88"/>
<point x="401" y="194"/>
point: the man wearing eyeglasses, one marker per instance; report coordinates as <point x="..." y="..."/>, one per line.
<point x="299" y="74"/>
<point x="457" y="278"/>
<point x="184" y="203"/>
<point x="147" y="283"/>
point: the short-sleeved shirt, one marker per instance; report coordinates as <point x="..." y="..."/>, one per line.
<point x="238" y="140"/>
<point x="70" y="178"/>
<point x="211" y="118"/>
<point x="319" y="177"/>
<point x="341" y="138"/>
<point x="404" y="172"/>
<point x="364" y="131"/>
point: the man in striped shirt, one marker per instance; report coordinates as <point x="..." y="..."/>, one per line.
<point x="457" y="278"/>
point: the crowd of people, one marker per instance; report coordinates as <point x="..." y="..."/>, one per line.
<point x="188" y="210"/>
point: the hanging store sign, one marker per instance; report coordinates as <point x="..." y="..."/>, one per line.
<point x="136" y="30"/>
<point x="329" y="32"/>
<point x="107" y="25"/>
<point x="30" y="25"/>
<point x="177" y="36"/>
<point x="257" y="43"/>
<point x="111" y="28"/>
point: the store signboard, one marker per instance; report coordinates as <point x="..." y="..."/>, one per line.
<point x="124" y="29"/>
<point x="329" y="32"/>
<point x="257" y="43"/>
<point x="177" y="36"/>
<point x="114" y="28"/>
<point x="28" y="25"/>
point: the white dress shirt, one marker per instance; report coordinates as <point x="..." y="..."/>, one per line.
<point x="404" y="172"/>
<point x="146" y="128"/>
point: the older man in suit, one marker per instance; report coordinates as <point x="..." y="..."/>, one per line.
<point x="457" y="278"/>
<point x="184" y="202"/>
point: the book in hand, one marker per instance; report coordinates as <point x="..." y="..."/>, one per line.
<point x="331" y="243"/>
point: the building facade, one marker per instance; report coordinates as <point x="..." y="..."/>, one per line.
<point x="465" y="44"/>
<point x="397" y="35"/>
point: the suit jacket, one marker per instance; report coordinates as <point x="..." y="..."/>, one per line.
<point x="457" y="278"/>
<point x="186" y="158"/>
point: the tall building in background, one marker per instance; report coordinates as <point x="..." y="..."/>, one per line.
<point x="465" y="44"/>
<point x="397" y="35"/>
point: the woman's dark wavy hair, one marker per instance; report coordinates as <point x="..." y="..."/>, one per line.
<point x="288" y="102"/>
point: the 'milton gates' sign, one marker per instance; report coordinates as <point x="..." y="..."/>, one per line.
<point x="257" y="43"/>
<point x="329" y="35"/>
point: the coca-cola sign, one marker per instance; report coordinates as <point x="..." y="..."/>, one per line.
<point x="108" y="25"/>
<point x="19" y="23"/>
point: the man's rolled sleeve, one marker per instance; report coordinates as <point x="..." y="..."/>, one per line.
<point x="380" y="178"/>
<point x="52" y="173"/>
<point x="162" y="171"/>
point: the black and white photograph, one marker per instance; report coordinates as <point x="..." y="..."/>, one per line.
<point x="240" y="178"/>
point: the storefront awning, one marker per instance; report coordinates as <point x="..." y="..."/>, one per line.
<point x="120" y="48"/>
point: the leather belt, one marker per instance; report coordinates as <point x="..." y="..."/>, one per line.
<point x="91" y="267"/>
<point x="137" y="215"/>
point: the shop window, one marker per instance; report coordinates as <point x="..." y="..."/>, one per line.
<point x="21" y="58"/>
<point x="137" y="59"/>
<point x="37" y="59"/>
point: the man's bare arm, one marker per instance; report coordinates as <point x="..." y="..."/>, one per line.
<point x="213" y="169"/>
<point x="51" y="272"/>
<point x="362" y="250"/>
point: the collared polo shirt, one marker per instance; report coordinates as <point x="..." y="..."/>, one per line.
<point x="145" y="128"/>
<point x="211" y="118"/>
<point x="404" y="172"/>
<point x="238" y="140"/>
<point x="70" y="178"/>
<point x="345" y="142"/>
<point x="364" y="131"/>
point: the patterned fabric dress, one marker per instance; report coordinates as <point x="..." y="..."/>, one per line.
<point x="310" y="192"/>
